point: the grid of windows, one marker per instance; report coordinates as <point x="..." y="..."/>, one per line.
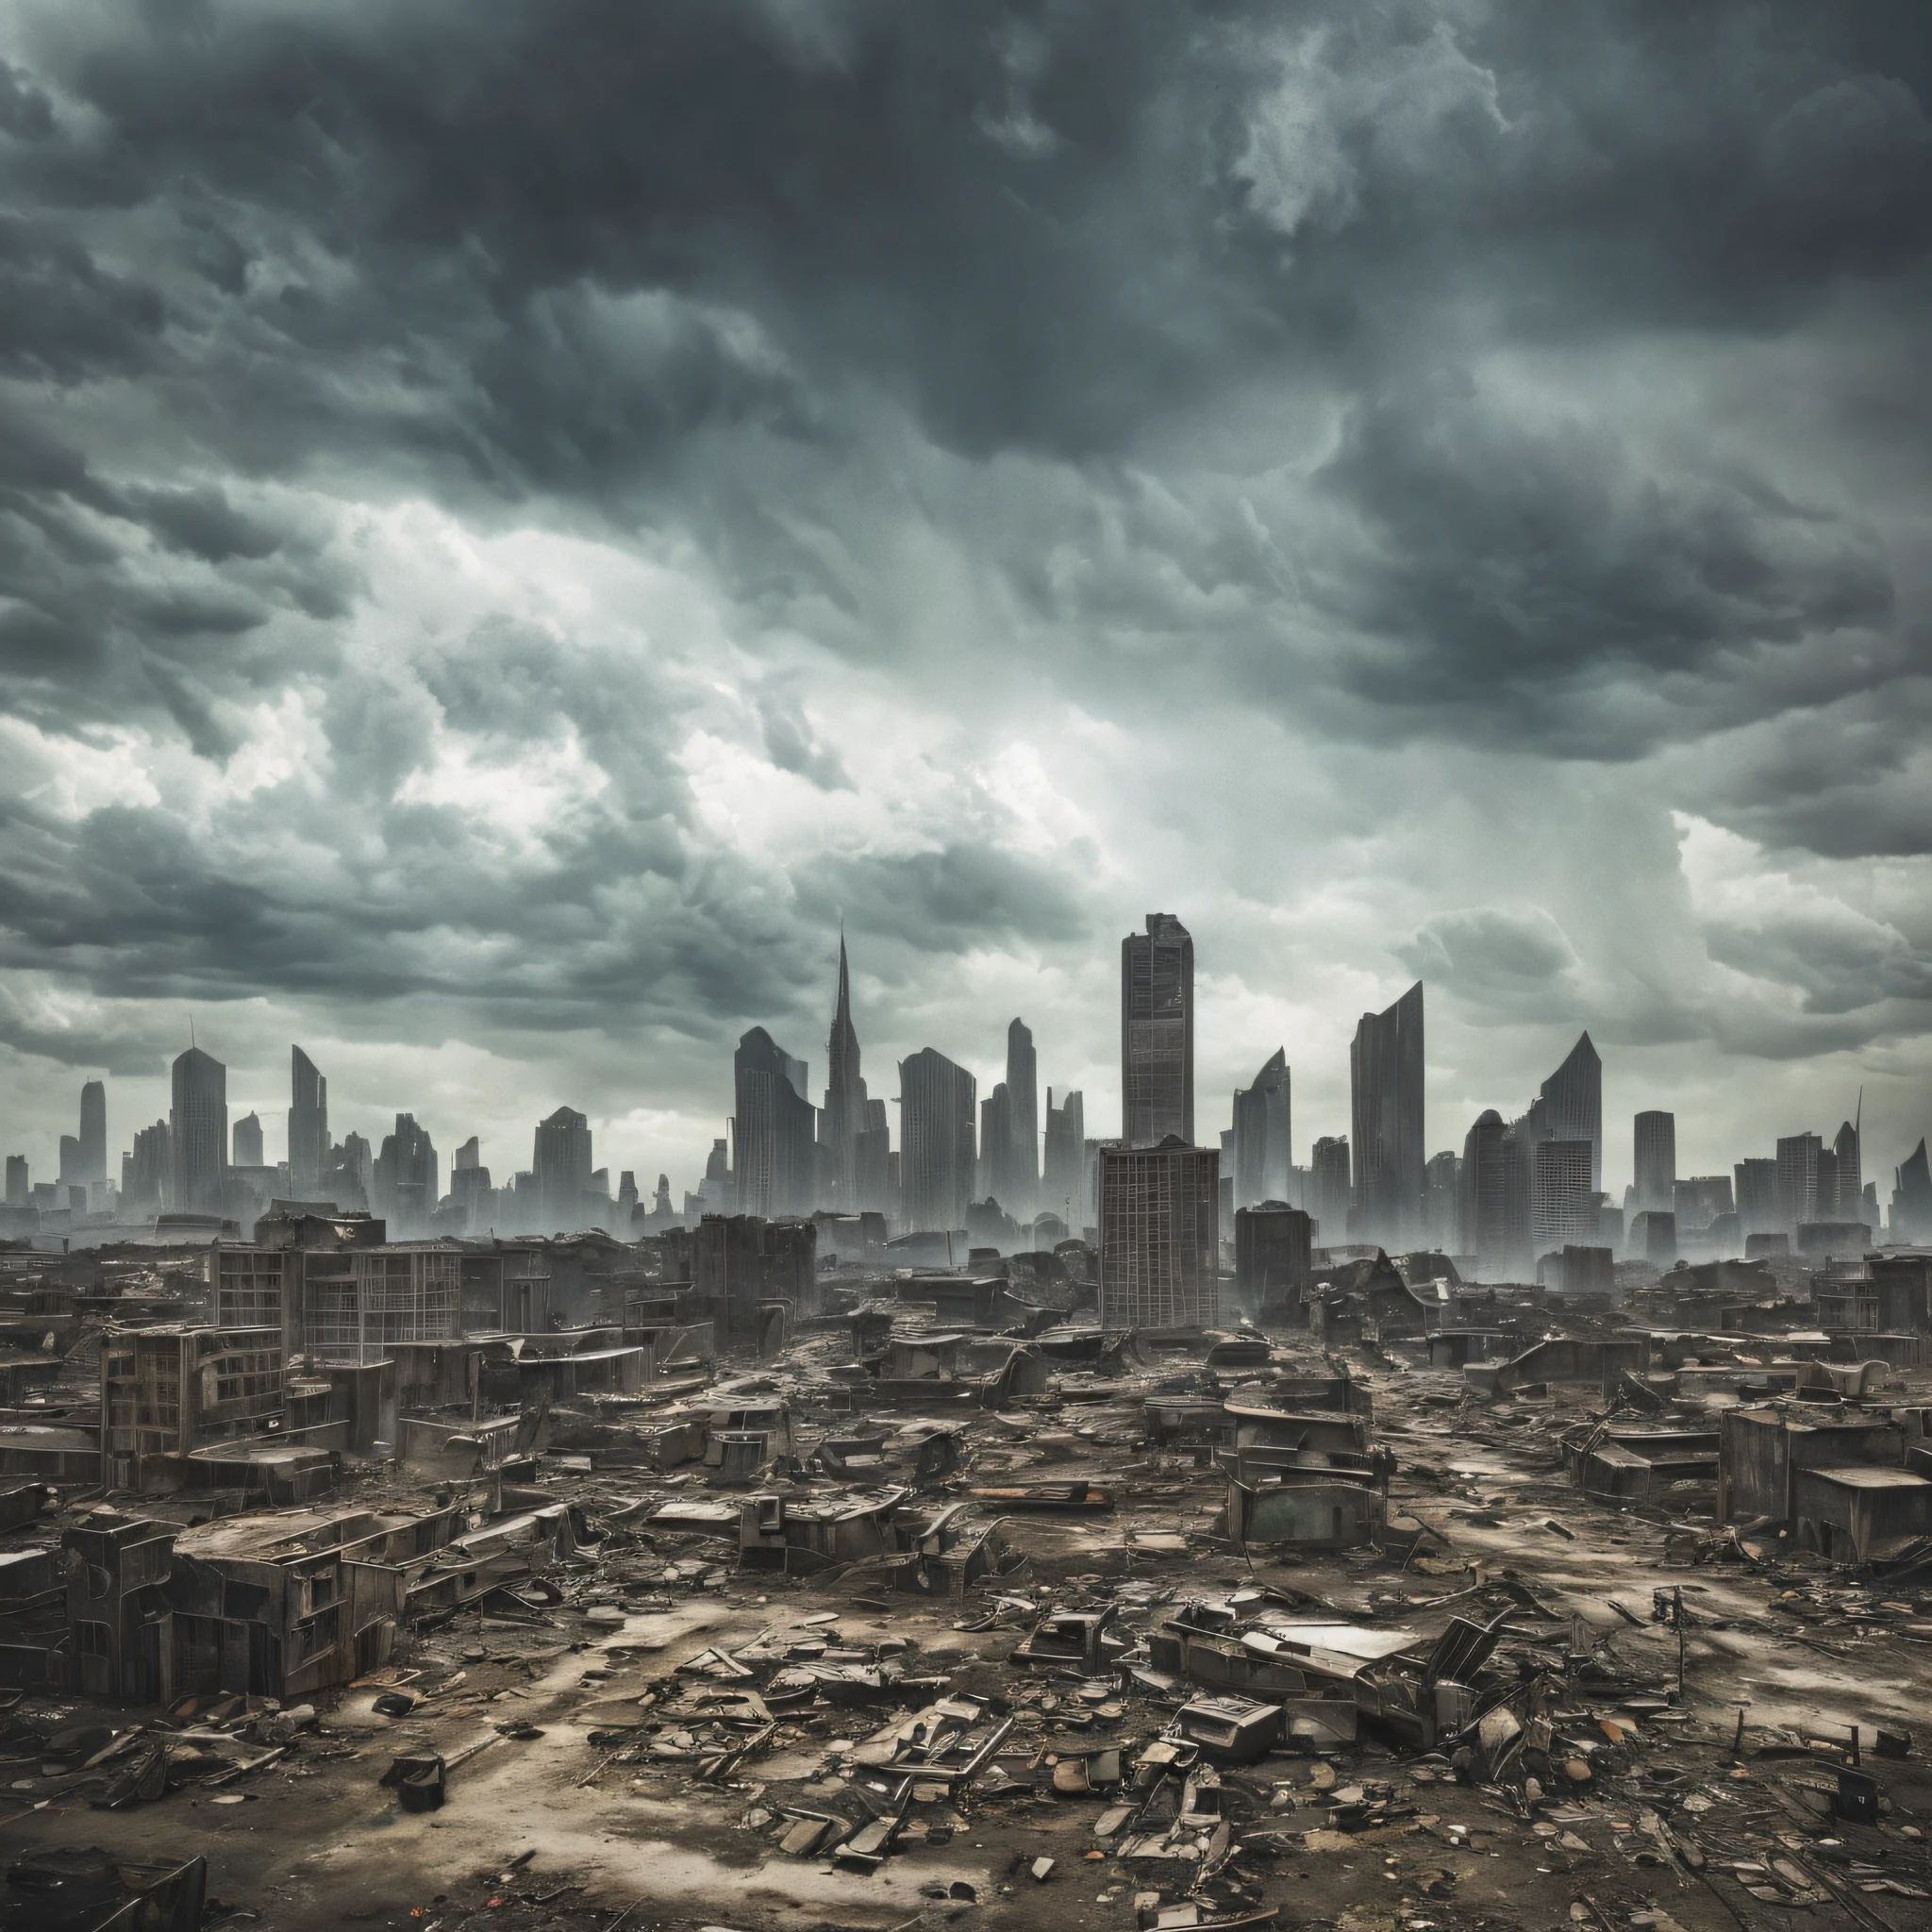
<point x="1159" y="1236"/>
<point x="362" y="1302"/>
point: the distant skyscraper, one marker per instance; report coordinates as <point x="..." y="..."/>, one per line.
<point x="1656" y="1165"/>
<point x="307" y="1127"/>
<point x="1157" y="1032"/>
<point x="847" y="1113"/>
<point x="1261" y="1150"/>
<point x="19" y="1185"/>
<point x="995" y="1164"/>
<point x="1562" y="1202"/>
<point x="561" y="1160"/>
<point x="147" y="1172"/>
<point x="1850" y="1205"/>
<point x="1758" y="1197"/>
<point x="1911" y="1199"/>
<point x="404" y="1178"/>
<point x="1797" y="1180"/>
<point x="776" y="1129"/>
<point x="1330" y="1190"/>
<point x="93" y="1133"/>
<point x="1063" y="1187"/>
<point x="1386" y="1082"/>
<point x="248" y="1140"/>
<point x="198" y="1132"/>
<point x="1573" y="1104"/>
<point x="936" y="1163"/>
<point x="1023" y="1124"/>
<point x="1441" y="1199"/>
<point x="69" y="1161"/>
<point x="1484" y="1185"/>
<point x="1160" y="1236"/>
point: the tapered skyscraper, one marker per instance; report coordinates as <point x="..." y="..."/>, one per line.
<point x="308" y="1126"/>
<point x="1572" y="1104"/>
<point x="1261" y="1135"/>
<point x="846" y="1114"/>
<point x="1158" y="1033"/>
<point x="1385" y="1065"/>
<point x="1653" y="1187"/>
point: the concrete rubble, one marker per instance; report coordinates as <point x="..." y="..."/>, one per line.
<point x="1417" y="1608"/>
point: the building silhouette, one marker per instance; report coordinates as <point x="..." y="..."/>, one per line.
<point x="247" y="1140"/>
<point x="147" y="1172"/>
<point x="1487" y="1227"/>
<point x="1911" y="1199"/>
<point x="1655" y="1165"/>
<point x="1021" y="1157"/>
<point x="1065" y="1183"/>
<point x="19" y="1182"/>
<point x="92" y="1162"/>
<point x="198" y="1133"/>
<point x="1562" y="1202"/>
<point x="1570" y="1106"/>
<point x="935" y="1152"/>
<point x="1158" y="1033"/>
<point x="846" y="1115"/>
<point x="1799" y="1159"/>
<point x="308" y="1128"/>
<point x="403" y="1177"/>
<point x="560" y="1162"/>
<point x="1160" y="1236"/>
<point x="1756" y="1198"/>
<point x="1849" y="1202"/>
<point x="1441" y="1200"/>
<point x="1330" y="1188"/>
<point x="1385" y="1064"/>
<point x="1262" y="1160"/>
<point x="774" y="1131"/>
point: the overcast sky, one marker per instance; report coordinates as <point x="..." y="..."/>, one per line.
<point x="516" y="518"/>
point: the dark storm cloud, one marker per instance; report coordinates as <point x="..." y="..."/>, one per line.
<point x="1361" y="366"/>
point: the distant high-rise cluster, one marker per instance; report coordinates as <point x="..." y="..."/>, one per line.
<point x="1014" y="1168"/>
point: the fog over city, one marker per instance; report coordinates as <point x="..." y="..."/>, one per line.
<point x="519" y="523"/>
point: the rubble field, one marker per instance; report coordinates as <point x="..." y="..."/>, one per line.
<point x="1222" y="1629"/>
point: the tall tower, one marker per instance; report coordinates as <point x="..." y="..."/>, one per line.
<point x="935" y="1105"/>
<point x="93" y="1132"/>
<point x="776" y="1129"/>
<point x="1573" y="1099"/>
<point x="845" y="1098"/>
<point x="308" y="1126"/>
<point x="198" y="1131"/>
<point x="1654" y="1171"/>
<point x="1158" y="1033"/>
<point x="1261" y="1135"/>
<point x="1385" y="1066"/>
<point x="1023" y="1123"/>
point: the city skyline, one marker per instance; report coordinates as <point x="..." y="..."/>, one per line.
<point x="789" y="1174"/>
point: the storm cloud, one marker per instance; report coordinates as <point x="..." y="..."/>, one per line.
<point x="516" y="523"/>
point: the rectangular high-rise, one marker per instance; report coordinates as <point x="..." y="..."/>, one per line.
<point x="198" y="1132"/>
<point x="1654" y="1166"/>
<point x="1021" y="1198"/>
<point x="307" y="1127"/>
<point x="1331" y="1188"/>
<point x="1385" y="1065"/>
<point x="1158" y="1033"/>
<point x="560" y="1159"/>
<point x="1798" y="1161"/>
<point x="936" y="1107"/>
<point x="1160" y="1236"/>
<point x="93" y="1163"/>
<point x="1562" y="1202"/>
<point x="776" y="1130"/>
<point x="1572" y="1104"/>
<point x="247" y="1139"/>
<point x="1758" y="1197"/>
